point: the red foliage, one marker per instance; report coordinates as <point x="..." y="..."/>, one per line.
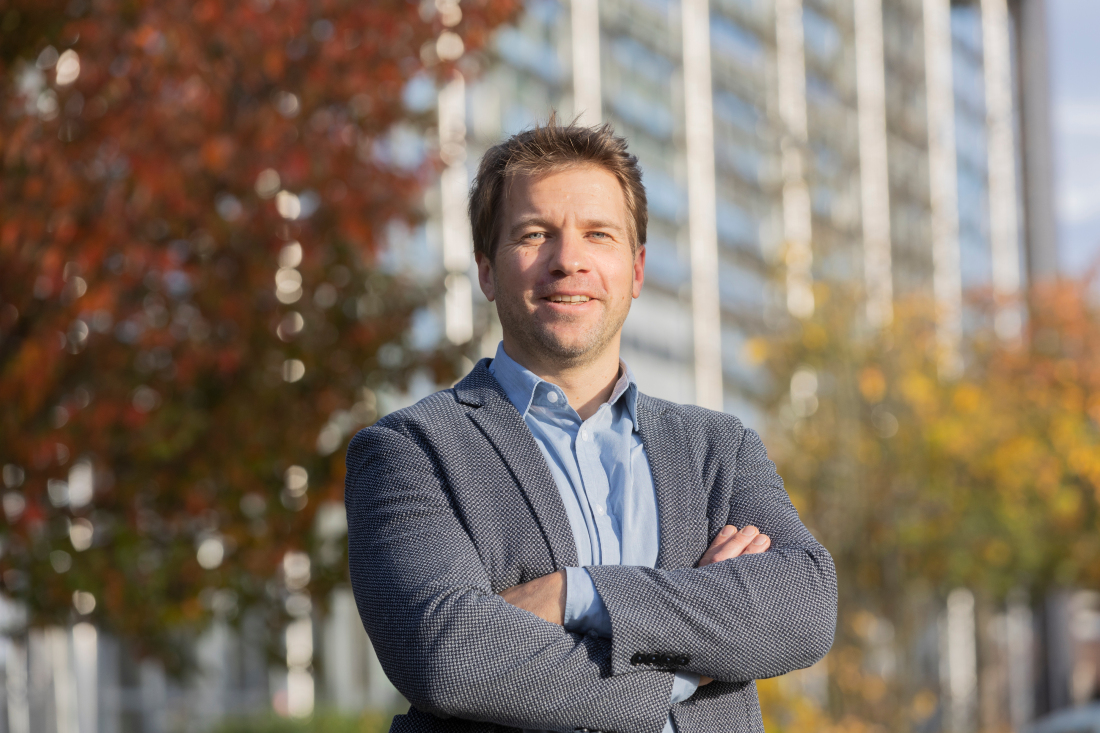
<point x="139" y="244"/>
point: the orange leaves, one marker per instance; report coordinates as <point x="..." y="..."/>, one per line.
<point x="872" y="384"/>
<point x="34" y="187"/>
<point x="206" y="11"/>
<point x="274" y="63"/>
<point x="217" y="153"/>
<point x="26" y="381"/>
<point x="9" y="235"/>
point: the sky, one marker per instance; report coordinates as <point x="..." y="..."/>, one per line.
<point x="1075" y="96"/>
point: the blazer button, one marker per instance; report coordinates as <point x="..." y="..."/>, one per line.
<point x="637" y="659"/>
<point x="682" y="660"/>
<point x="666" y="660"/>
<point x="653" y="659"/>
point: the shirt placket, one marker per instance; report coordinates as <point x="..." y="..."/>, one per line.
<point x="595" y="483"/>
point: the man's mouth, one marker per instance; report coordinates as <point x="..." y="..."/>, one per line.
<point x="568" y="298"/>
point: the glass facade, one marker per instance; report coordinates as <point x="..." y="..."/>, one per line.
<point x="757" y="146"/>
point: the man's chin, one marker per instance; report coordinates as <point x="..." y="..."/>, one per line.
<point x="575" y="345"/>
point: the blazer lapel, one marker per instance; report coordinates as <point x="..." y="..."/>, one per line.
<point x="681" y="501"/>
<point x="498" y="419"/>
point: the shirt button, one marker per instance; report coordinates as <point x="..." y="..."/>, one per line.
<point x="552" y="396"/>
<point x="599" y="510"/>
<point x="584" y="435"/>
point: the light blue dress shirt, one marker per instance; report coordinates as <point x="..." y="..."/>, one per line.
<point x="602" y="472"/>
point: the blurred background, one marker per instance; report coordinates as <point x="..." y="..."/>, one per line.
<point x="232" y="234"/>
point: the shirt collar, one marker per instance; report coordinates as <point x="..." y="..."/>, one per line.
<point x="519" y="384"/>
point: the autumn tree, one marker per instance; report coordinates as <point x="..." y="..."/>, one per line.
<point x="920" y="482"/>
<point x="193" y="316"/>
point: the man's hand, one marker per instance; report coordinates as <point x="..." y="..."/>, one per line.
<point x="731" y="543"/>
<point x="544" y="597"/>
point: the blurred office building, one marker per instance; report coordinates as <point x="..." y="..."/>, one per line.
<point x="897" y="146"/>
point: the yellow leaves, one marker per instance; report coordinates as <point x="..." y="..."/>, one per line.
<point x="997" y="552"/>
<point x="864" y="623"/>
<point x="872" y="384"/>
<point x="1067" y="371"/>
<point x="755" y="352"/>
<point x="919" y="391"/>
<point x="1016" y="462"/>
<point x="874" y="689"/>
<point x="1093" y="408"/>
<point x="814" y="336"/>
<point x="922" y="707"/>
<point x="993" y="481"/>
<point x="966" y="399"/>
<point x="1072" y="399"/>
<point x="1084" y="460"/>
<point x="1066" y="507"/>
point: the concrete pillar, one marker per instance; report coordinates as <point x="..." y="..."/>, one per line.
<point x="702" y="206"/>
<point x="1033" y="75"/>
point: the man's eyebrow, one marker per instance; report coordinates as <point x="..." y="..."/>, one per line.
<point x="600" y="224"/>
<point x="536" y="221"/>
<point x="531" y="221"/>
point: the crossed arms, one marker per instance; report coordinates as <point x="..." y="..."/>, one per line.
<point x="546" y="596"/>
<point x="456" y="648"/>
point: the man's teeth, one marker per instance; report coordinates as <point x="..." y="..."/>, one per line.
<point x="569" y="298"/>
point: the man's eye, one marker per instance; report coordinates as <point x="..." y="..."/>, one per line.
<point x="534" y="235"/>
<point x="600" y="235"/>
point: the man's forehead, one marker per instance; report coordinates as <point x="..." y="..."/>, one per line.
<point x="586" y="187"/>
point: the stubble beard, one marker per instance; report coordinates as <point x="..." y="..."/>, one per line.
<point x="541" y="341"/>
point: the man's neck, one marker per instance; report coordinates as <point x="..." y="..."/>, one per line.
<point x="586" y="385"/>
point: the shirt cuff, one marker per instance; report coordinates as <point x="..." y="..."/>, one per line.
<point x="584" y="609"/>
<point x="684" y="686"/>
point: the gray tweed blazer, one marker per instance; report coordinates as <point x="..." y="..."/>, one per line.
<point x="450" y="502"/>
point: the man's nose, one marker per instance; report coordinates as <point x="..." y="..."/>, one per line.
<point x="570" y="256"/>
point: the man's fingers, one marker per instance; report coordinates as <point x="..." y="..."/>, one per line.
<point x="704" y="680"/>
<point x="760" y="543"/>
<point x="731" y="543"/>
<point x="723" y="536"/>
<point x="737" y="544"/>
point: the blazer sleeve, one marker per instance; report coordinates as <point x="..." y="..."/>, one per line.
<point x="445" y="640"/>
<point x="741" y="619"/>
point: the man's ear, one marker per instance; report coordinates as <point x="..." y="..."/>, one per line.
<point x="485" y="276"/>
<point x="639" y="271"/>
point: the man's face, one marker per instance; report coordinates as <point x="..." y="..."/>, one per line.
<point x="564" y="271"/>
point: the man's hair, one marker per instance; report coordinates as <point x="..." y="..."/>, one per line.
<point x="548" y="149"/>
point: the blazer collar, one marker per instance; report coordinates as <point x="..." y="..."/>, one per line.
<point x="502" y="424"/>
<point x="681" y="500"/>
<point x="479" y="387"/>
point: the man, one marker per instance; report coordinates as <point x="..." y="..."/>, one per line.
<point x="542" y="547"/>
